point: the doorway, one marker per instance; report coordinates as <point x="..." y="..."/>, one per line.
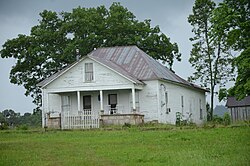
<point x="112" y="102"/>
<point x="87" y="103"/>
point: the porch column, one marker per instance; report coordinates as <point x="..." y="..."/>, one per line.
<point x="101" y="101"/>
<point x="78" y="101"/>
<point x="133" y="99"/>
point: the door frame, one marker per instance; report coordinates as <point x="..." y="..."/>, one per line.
<point x="113" y="110"/>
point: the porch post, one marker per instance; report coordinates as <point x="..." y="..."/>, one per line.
<point x="101" y="102"/>
<point x="78" y="101"/>
<point x="133" y="99"/>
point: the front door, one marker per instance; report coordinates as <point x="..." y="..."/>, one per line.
<point x="87" y="103"/>
<point x="112" y="99"/>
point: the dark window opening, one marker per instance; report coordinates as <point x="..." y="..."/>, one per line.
<point x="112" y="99"/>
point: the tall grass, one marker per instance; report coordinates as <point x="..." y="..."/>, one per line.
<point x="217" y="146"/>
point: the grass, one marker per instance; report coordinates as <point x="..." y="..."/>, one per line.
<point x="197" y="146"/>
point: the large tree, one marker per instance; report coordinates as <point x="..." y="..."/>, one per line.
<point x="210" y="58"/>
<point x="52" y="43"/>
<point x="234" y="22"/>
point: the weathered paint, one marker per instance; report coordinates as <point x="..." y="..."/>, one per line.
<point x="191" y="103"/>
<point x="148" y="97"/>
<point x="239" y="113"/>
<point x="104" y="78"/>
<point x="148" y="101"/>
<point x="122" y="119"/>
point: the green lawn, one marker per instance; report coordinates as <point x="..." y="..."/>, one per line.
<point x="217" y="146"/>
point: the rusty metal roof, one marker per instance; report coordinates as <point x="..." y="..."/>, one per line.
<point x="233" y="102"/>
<point x="135" y="63"/>
<point x="131" y="62"/>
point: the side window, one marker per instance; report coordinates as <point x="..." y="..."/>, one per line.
<point x="201" y="115"/>
<point x="89" y="72"/>
<point x="182" y="104"/>
<point x="166" y="98"/>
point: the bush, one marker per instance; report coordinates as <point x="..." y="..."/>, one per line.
<point x="128" y="125"/>
<point x="227" y="119"/>
<point x="3" y="126"/>
<point x="22" y="127"/>
<point x="178" y="119"/>
<point x="218" y="120"/>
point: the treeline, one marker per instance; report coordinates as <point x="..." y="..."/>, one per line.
<point x="9" y="119"/>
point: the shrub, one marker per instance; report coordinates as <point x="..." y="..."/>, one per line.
<point x="178" y="119"/>
<point x="3" y="126"/>
<point x="128" y="125"/>
<point x="22" y="127"/>
<point x="226" y="119"/>
<point x="218" y="120"/>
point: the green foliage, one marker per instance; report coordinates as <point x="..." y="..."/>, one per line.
<point x="217" y="146"/>
<point x="10" y="118"/>
<point x="223" y="94"/>
<point x="227" y="119"/>
<point x="241" y="88"/>
<point x="3" y="126"/>
<point x="209" y="116"/>
<point x="2" y="118"/>
<point x="217" y="120"/>
<point x="51" y="45"/>
<point x="210" y="57"/>
<point x="233" y="24"/>
<point x="22" y="127"/>
<point x="127" y="125"/>
<point x="178" y="119"/>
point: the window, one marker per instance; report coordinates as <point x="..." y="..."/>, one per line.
<point x="201" y="115"/>
<point x="65" y="103"/>
<point x="89" y="75"/>
<point x="166" y="100"/>
<point x="166" y="97"/>
<point x="182" y="101"/>
<point x="182" y="104"/>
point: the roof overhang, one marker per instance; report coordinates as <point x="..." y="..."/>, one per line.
<point x="192" y="86"/>
<point x="53" y="77"/>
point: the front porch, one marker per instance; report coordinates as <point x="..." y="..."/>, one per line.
<point x="88" y="121"/>
<point x="89" y="109"/>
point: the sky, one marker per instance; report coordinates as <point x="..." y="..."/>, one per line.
<point x="18" y="16"/>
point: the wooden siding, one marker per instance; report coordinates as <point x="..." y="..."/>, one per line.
<point x="104" y="78"/>
<point x="239" y="113"/>
<point x="191" y="103"/>
<point x="149" y="98"/>
<point x="148" y="101"/>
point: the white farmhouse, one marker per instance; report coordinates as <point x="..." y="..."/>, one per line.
<point x="118" y="85"/>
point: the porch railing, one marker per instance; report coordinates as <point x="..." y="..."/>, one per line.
<point x="84" y="120"/>
<point x="119" y="109"/>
